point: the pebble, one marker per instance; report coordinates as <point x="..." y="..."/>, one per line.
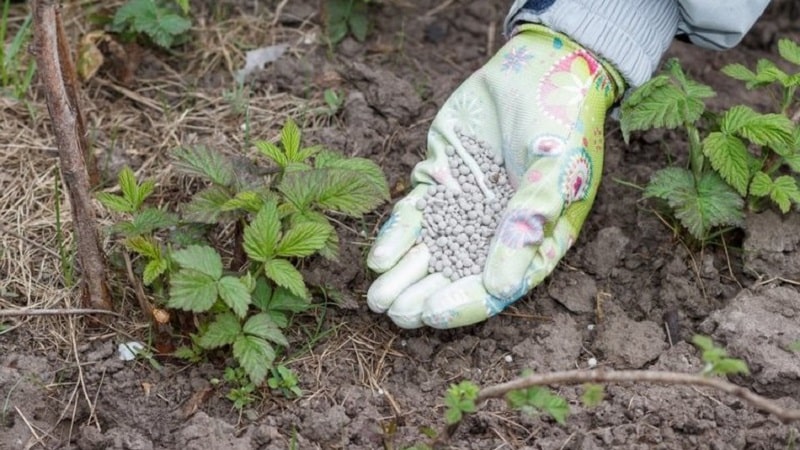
<point x="457" y="226"/>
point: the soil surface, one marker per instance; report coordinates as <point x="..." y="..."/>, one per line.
<point x="628" y="295"/>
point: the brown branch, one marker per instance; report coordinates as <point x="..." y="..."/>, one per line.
<point x="55" y="69"/>
<point x="571" y="377"/>
<point x="785" y="415"/>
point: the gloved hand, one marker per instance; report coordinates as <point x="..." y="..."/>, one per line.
<point x="538" y="106"/>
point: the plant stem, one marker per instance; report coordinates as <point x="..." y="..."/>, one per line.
<point x="696" y="158"/>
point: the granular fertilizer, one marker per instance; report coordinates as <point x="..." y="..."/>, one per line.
<point x="458" y="226"/>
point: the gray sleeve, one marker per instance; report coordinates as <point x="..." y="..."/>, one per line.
<point x="634" y="34"/>
<point x="718" y="24"/>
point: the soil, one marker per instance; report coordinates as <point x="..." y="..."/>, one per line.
<point x="629" y="294"/>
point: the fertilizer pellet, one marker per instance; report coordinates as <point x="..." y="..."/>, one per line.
<point x="457" y="226"/>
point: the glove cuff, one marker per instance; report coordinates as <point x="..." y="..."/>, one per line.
<point x="631" y="35"/>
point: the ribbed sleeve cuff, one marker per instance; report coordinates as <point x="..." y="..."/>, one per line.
<point x="631" y="35"/>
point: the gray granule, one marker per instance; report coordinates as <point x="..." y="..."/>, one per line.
<point x="457" y="226"/>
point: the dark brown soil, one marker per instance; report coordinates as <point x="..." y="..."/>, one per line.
<point x="370" y="385"/>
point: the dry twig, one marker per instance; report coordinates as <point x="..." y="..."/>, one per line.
<point x="641" y="376"/>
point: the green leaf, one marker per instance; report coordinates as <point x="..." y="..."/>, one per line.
<point x="362" y="166"/>
<point x="730" y="366"/>
<point x="728" y="155"/>
<point x="358" y="21"/>
<point x="174" y="24"/>
<point x="135" y="194"/>
<point x="784" y="192"/>
<point x="283" y="273"/>
<point x="192" y="291"/>
<point x="539" y="398"/>
<point x="664" y="102"/>
<point x="255" y="355"/>
<point x="592" y="394"/>
<point x="261" y="325"/>
<point x="132" y="10"/>
<point x="222" y="331"/>
<point x="761" y="185"/>
<point x="702" y="342"/>
<point x="789" y="51"/>
<point x="145" y="246"/>
<point x="262" y="294"/>
<point x="235" y="294"/>
<point x="761" y="129"/>
<point x="261" y="235"/>
<point x="739" y="72"/>
<point x="793" y="161"/>
<point x="207" y="205"/>
<point x="290" y="140"/>
<point x="116" y="203"/>
<point x="153" y="270"/>
<point x="767" y="72"/>
<point x="200" y="258"/>
<point x="272" y="152"/>
<point x="303" y="239"/>
<point x="283" y="300"/>
<point x="145" y="222"/>
<point x="250" y="201"/>
<point x="699" y="208"/>
<point x="453" y="416"/>
<point x="347" y="192"/>
<point x="206" y="163"/>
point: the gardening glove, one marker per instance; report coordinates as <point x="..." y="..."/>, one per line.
<point x="538" y="106"/>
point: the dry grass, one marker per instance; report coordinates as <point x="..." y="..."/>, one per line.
<point x="179" y="99"/>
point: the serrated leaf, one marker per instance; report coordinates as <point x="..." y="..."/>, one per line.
<point x="729" y="366"/>
<point x="283" y="300"/>
<point x="729" y="156"/>
<point x="539" y="398"/>
<point x="347" y="192"/>
<point x="222" y="331"/>
<point x="283" y="273"/>
<point x="262" y="233"/>
<point x="262" y="294"/>
<point x="760" y="185"/>
<point x="131" y="10"/>
<point x="144" y="245"/>
<point x="761" y="129"/>
<point x="255" y="355"/>
<point x="702" y="342"/>
<point x="206" y="163"/>
<point x="174" y="24"/>
<point x="793" y="161"/>
<point x="290" y="140"/>
<point x="261" y="325"/>
<point x="153" y="270"/>
<point x="272" y="152"/>
<point x="207" y="206"/>
<point x="592" y="394"/>
<point x="789" y="51"/>
<point x="767" y="72"/>
<point x="363" y="166"/>
<point x="784" y="191"/>
<point x="663" y="102"/>
<point x="200" y="258"/>
<point x="358" y="21"/>
<point x="191" y="290"/>
<point x="303" y="239"/>
<point x="235" y="294"/>
<point x="739" y="72"/>
<point x="116" y="203"/>
<point x="250" y="200"/>
<point x="145" y="222"/>
<point x="699" y="207"/>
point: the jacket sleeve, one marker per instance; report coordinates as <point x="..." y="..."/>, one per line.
<point x="718" y="24"/>
<point x="634" y="34"/>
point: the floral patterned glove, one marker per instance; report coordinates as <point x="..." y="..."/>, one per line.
<point x="538" y="105"/>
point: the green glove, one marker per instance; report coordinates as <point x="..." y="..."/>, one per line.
<point x="538" y="106"/>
